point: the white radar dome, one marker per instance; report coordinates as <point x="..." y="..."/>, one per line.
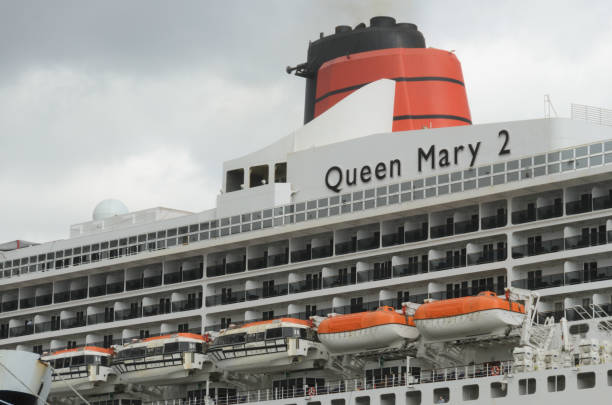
<point x="109" y="208"/>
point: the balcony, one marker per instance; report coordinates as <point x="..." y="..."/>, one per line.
<point x="410" y="269"/>
<point x="550" y="211"/>
<point x="274" y="291"/>
<point x="27" y="303"/>
<point x="79" y="294"/>
<point x="126" y="314"/>
<point x="235" y="267"/>
<point x="215" y="270"/>
<point x="589" y="276"/>
<point x="494" y="221"/>
<point x="446" y="263"/>
<point x="362" y="307"/>
<point x="45" y="299"/>
<point x="114" y="288"/>
<point x="320" y="252"/>
<point x="440" y="231"/>
<point x="466" y="292"/>
<point x="134" y="284"/>
<point x="99" y="318"/>
<point x="538" y="283"/>
<point x="257" y="263"/>
<point x="63" y="296"/>
<point x="350" y="246"/>
<point x="548" y="246"/>
<point x="150" y="310"/>
<point x="193" y="274"/>
<point x="97" y="291"/>
<point x="72" y="323"/>
<point x="523" y="216"/>
<point x="581" y="206"/>
<point x="373" y="274"/>
<point x="300" y="255"/>
<point x="278" y="259"/>
<point x="466" y="226"/>
<point x="152" y="281"/>
<point x="173" y="278"/>
<point x="602" y="203"/>
<point x="582" y="241"/>
<point x="185" y="305"/>
<point x="493" y="255"/>
<point x="415" y="235"/>
<point x="392" y="239"/>
<point x="305" y="285"/>
<point x="21" y="330"/>
<point x="43" y="327"/>
<point x="225" y="299"/>
<point x="372" y="242"/>
<point x="9" y="306"/>
<point x="337" y="281"/>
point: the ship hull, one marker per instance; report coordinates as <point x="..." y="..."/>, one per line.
<point x="26" y="366"/>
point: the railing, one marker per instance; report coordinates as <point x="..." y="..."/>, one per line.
<point x="602" y="203"/>
<point x="494" y="221"/>
<point x="235" y="267"/>
<point x="374" y="274"/>
<point x="44" y="299"/>
<point x="415" y="235"/>
<point x="125" y="314"/>
<point x="314" y="392"/>
<point x="550" y="211"/>
<point x="579" y="241"/>
<point x="466" y="226"/>
<point x="152" y="281"/>
<point x="72" y="323"/>
<point x="26" y="303"/>
<point x="135" y="284"/>
<point x="215" y="270"/>
<point x="548" y="246"/>
<point x="114" y="288"/>
<point x="10" y="305"/>
<point x="99" y="318"/>
<point x="440" y="231"/>
<point x="172" y="278"/>
<point x="595" y="115"/>
<point x="63" y="296"/>
<point x="493" y="255"/>
<point x="278" y="259"/>
<point x="561" y="279"/>
<point x="410" y="269"/>
<point x="548" y="281"/>
<point x="392" y="239"/>
<point x="446" y="263"/>
<point x="97" y="290"/>
<point x="185" y="305"/>
<point x="371" y="242"/>
<point x="257" y="263"/>
<point x="320" y="252"/>
<point x="17" y="331"/>
<point x="300" y="255"/>
<point x="523" y="216"/>
<point x="345" y="247"/>
<point x="579" y="206"/>
<point x="305" y="285"/>
<point x="79" y="294"/>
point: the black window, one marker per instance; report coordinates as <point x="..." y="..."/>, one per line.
<point x="274" y="333"/>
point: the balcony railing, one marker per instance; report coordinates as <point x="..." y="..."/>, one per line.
<point x="602" y="203"/>
<point x="78" y="294"/>
<point x="493" y="255"/>
<point x="523" y="216"/>
<point x="588" y="276"/>
<point x="278" y="259"/>
<point x="579" y="207"/>
<point x="114" y="288"/>
<point x="416" y="235"/>
<point x="152" y="281"/>
<point x="135" y="284"/>
<point x="72" y="323"/>
<point x="392" y="239"/>
<point x="440" y="231"/>
<point x="45" y="299"/>
<point x="99" y="318"/>
<point x="215" y="270"/>
<point x="26" y="303"/>
<point x="63" y="296"/>
<point x="410" y="269"/>
<point x="300" y="255"/>
<point x="305" y="285"/>
<point x="466" y="226"/>
<point x="192" y="274"/>
<point x="24" y="330"/>
<point x="548" y="246"/>
<point x="372" y="242"/>
<point x="320" y="252"/>
<point x="235" y="267"/>
<point x="373" y="274"/>
<point x="337" y="281"/>
<point x="446" y="263"/>
<point x="41" y="327"/>
<point x="550" y="211"/>
<point x="494" y="221"/>
<point x="466" y="292"/>
<point x="125" y="314"/>
<point x="185" y="305"/>
<point x="172" y="278"/>
<point x="10" y="305"/>
<point x="257" y="263"/>
<point x="579" y="241"/>
<point x="345" y="247"/>
<point x="538" y="283"/>
<point x="97" y="290"/>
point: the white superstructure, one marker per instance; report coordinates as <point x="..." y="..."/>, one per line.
<point x="343" y="216"/>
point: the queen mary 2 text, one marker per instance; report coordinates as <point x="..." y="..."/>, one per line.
<point x="336" y="176"/>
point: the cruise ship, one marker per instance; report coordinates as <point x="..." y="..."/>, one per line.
<point x="389" y="251"/>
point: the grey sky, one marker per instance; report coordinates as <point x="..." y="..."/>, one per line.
<point x="143" y="100"/>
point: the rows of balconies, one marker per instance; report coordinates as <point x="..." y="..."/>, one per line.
<point x="99" y="285"/>
<point x="557" y="239"/>
<point x="424" y="261"/>
<point x="103" y="313"/>
<point x="345" y="304"/>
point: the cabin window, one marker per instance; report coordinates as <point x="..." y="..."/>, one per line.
<point x="556" y="383"/>
<point x="470" y="392"/>
<point x="610" y="377"/>
<point x="387" y="399"/>
<point x="499" y="390"/>
<point x="274" y="333"/>
<point x="234" y="180"/>
<point x="365" y="400"/>
<point x="527" y="386"/>
<point x="412" y="398"/>
<point x="441" y="395"/>
<point x="258" y="176"/>
<point x="586" y="380"/>
<point x="338" y="401"/>
<point x="280" y="172"/>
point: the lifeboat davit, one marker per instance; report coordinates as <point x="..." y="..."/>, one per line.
<point x="374" y="330"/>
<point x="456" y="318"/>
<point x="279" y="344"/>
<point x="84" y="368"/>
<point x="171" y="357"/>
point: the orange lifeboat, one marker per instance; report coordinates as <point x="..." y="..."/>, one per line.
<point x="483" y="314"/>
<point x="380" y="329"/>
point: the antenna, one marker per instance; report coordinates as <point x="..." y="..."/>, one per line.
<point x="549" y="107"/>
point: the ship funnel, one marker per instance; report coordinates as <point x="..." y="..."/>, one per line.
<point x="430" y="90"/>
